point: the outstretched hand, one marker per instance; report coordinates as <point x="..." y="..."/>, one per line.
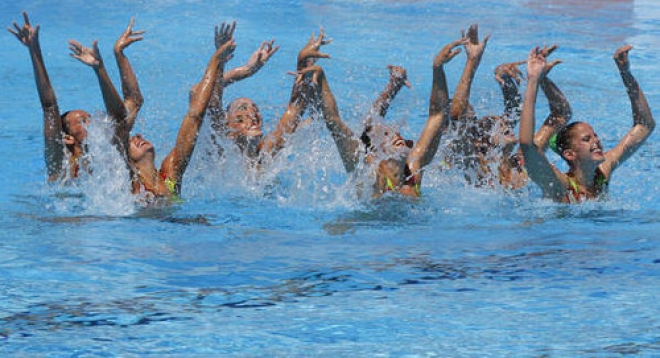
<point x="621" y="57"/>
<point x="26" y="34"/>
<point x="128" y="37"/>
<point x="226" y="50"/>
<point x="224" y="33"/>
<point x="473" y="48"/>
<point x="536" y="64"/>
<point x="547" y="51"/>
<point x="509" y="71"/>
<point x="311" y="51"/>
<point x="90" y="57"/>
<point x="449" y="51"/>
<point x="262" y="54"/>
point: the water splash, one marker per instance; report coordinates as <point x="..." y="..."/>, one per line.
<point x="104" y="190"/>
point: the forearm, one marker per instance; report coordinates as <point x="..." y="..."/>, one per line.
<point x="238" y="74"/>
<point x="113" y="103"/>
<point x="347" y="144"/>
<point x="560" y="113"/>
<point x="216" y="112"/>
<point x="382" y="103"/>
<point x="52" y="122"/>
<point x="462" y="93"/>
<point x="641" y="111"/>
<point x="427" y="146"/>
<point x="290" y="120"/>
<point x="560" y="109"/>
<point x="439" y="93"/>
<point x="177" y="160"/>
<point x="206" y="91"/>
<point x="42" y="80"/>
<point x="331" y="116"/>
<point x="511" y="97"/>
<point x="133" y="98"/>
<point x="527" y="116"/>
<point x="298" y="102"/>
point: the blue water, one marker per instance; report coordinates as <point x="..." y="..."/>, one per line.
<point x="298" y="266"/>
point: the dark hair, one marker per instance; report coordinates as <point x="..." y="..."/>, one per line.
<point x="564" y="137"/>
<point x="366" y="139"/>
<point x="65" y="125"/>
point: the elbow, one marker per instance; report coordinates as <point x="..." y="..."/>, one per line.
<point x="651" y="125"/>
<point x="139" y="100"/>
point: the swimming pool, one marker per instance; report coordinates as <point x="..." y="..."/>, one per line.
<point x="300" y="268"/>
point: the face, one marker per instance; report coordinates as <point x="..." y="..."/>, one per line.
<point x="389" y="142"/>
<point x="504" y="135"/>
<point x="139" y="149"/>
<point x="75" y="123"/>
<point x="243" y="119"/>
<point x="584" y="144"/>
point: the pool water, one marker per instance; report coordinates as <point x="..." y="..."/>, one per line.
<point x="293" y="264"/>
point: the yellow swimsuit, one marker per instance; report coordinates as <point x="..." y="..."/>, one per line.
<point x="390" y="186"/>
<point x="573" y="194"/>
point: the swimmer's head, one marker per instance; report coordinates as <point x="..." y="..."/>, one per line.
<point x="140" y="149"/>
<point x="495" y="132"/>
<point x="385" y="142"/>
<point x="577" y="141"/>
<point x="74" y="126"/>
<point x="243" y="119"/>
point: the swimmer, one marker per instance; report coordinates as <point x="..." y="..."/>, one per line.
<point x="590" y="168"/>
<point x="495" y="139"/>
<point x="166" y="182"/>
<point x="398" y="163"/>
<point x="65" y="133"/>
<point x="242" y="123"/>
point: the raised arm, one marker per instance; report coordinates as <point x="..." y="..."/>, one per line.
<point x="560" y="113"/>
<point x="258" y="59"/>
<point x="398" y="79"/>
<point x="427" y="145"/>
<point x="347" y="144"/>
<point x="643" y="122"/>
<point x="92" y="57"/>
<point x="133" y="99"/>
<point x="176" y="162"/>
<point x="508" y="75"/>
<point x="540" y="170"/>
<point x="560" y="109"/>
<point x="54" y="147"/>
<point x="474" y="50"/>
<point x="301" y="97"/>
<point x="216" y="112"/>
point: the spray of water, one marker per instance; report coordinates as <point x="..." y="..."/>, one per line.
<point x="104" y="188"/>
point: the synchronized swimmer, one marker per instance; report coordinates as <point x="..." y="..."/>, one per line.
<point x="485" y="149"/>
